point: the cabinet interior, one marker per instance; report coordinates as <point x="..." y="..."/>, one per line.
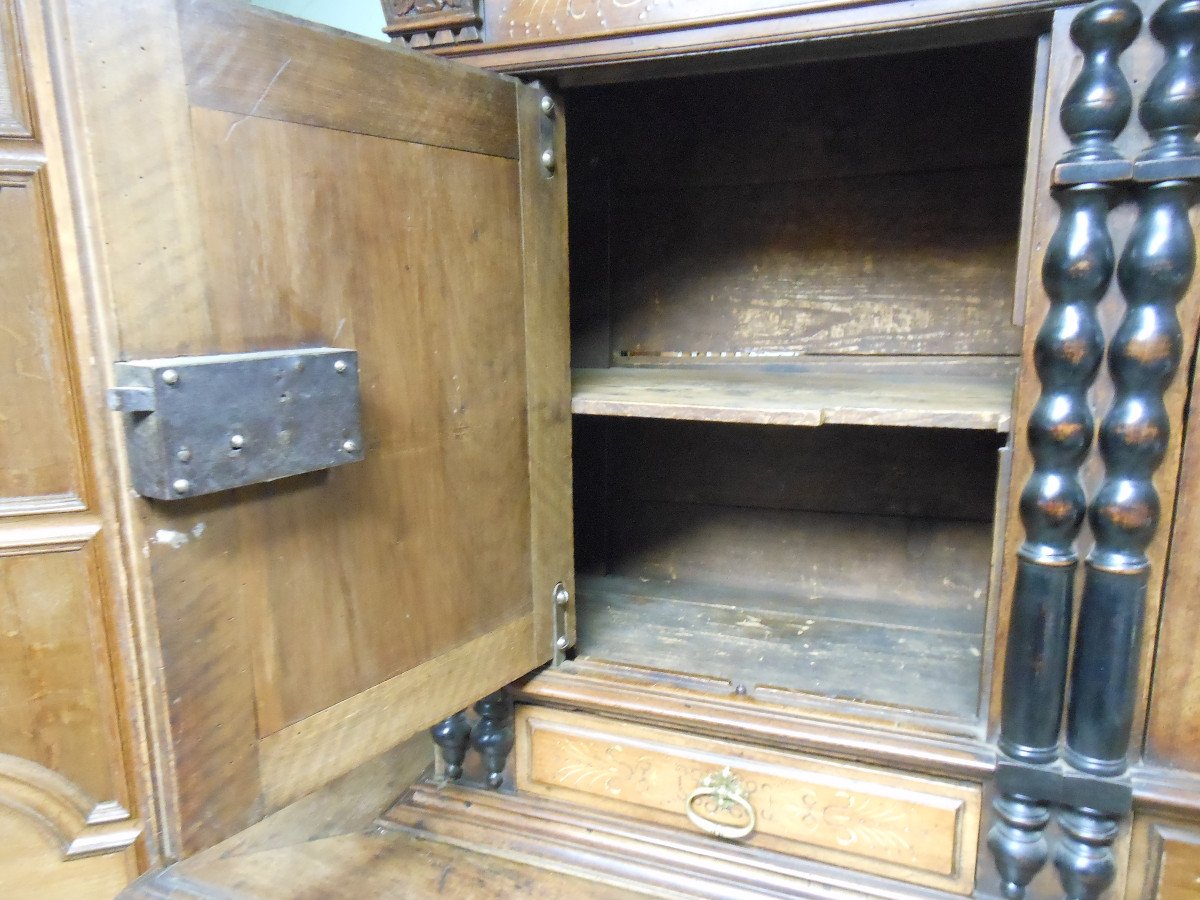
<point x="793" y="340"/>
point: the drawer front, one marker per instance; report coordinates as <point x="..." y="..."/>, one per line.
<point x="920" y="830"/>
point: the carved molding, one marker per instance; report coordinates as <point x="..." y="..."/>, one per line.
<point x="433" y="23"/>
<point x="78" y="825"/>
<point x="46" y="503"/>
<point x="53" y="534"/>
<point x="16" y="119"/>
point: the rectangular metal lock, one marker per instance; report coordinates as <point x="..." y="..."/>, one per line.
<point x="200" y="424"/>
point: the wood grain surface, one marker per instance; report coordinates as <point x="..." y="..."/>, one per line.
<point x="869" y="820"/>
<point x="909" y="395"/>
<point x="1173" y="729"/>
<point x="70" y="805"/>
<point x="297" y="223"/>
<point x="39" y="442"/>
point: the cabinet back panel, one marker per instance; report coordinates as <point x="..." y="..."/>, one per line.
<point x="866" y="470"/>
<point x="864" y="206"/>
<point x="919" y="263"/>
<point x="914" y="563"/>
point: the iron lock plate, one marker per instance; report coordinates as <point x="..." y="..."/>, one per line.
<point x="200" y="424"/>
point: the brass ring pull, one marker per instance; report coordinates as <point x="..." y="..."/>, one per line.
<point x="727" y="792"/>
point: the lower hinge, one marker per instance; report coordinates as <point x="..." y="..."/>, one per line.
<point x="562" y="631"/>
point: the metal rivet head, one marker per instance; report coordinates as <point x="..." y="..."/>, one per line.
<point x="237" y="442"/>
<point x="547" y="105"/>
<point x="548" y="161"/>
<point x="339" y="366"/>
<point x="183" y="454"/>
<point x="561" y="595"/>
<point x="181" y="485"/>
<point x="350" y="446"/>
<point x="562" y="643"/>
<point x="170" y="376"/>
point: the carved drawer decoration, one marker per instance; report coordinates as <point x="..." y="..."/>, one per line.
<point x="912" y="828"/>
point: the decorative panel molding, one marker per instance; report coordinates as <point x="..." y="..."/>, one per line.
<point x="53" y="677"/>
<point x="15" y="118"/>
<point x="884" y="823"/>
<point x="75" y="822"/>
<point x="39" y="441"/>
<point x="1164" y="860"/>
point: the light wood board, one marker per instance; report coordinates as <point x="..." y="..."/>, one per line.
<point x="916" y="395"/>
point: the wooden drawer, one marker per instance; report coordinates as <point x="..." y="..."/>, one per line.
<point x="920" y="830"/>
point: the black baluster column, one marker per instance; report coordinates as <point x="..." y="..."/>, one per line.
<point x="1078" y="265"/>
<point x="1076" y="272"/>
<point x="1154" y="273"/>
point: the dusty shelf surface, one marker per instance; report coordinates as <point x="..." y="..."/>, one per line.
<point x="975" y="394"/>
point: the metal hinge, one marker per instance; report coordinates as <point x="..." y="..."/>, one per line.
<point x="562" y="607"/>
<point x="546" y="131"/>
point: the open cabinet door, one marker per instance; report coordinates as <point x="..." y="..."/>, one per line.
<point x="250" y="182"/>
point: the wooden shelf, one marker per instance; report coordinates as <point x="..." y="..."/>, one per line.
<point x="867" y="651"/>
<point x="915" y="392"/>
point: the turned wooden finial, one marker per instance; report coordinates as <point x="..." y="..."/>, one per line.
<point x="1170" y="108"/>
<point x="493" y="735"/>
<point x="1099" y="102"/>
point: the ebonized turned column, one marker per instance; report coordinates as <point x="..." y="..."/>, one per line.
<point x="1076" y="272"/>
<point x="1143" y="358"/>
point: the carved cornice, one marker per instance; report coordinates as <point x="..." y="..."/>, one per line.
<point x="432" y="23"/>
<point x="76" y="823"/>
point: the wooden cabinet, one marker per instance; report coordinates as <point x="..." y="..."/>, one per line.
<point x="798" y="431"/>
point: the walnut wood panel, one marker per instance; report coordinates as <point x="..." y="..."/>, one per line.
<point x="295" y="72"/>
<point x="1173" y="730"/>
<point x="38" y="443"/>
<point x="547" y="355"/>
<point x="32" y="867"/>
<point x="1164" y="857"/>
<point x="867" y="820"/>
<point x="15" y="119"/>
<point x="296" y="225"/>
<point x="553" y="38"/>
<point x="300" y="757"/>
<point x="339" y="554"/>
<point x="50" y="684"/>
<point x="70" y="804"/>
